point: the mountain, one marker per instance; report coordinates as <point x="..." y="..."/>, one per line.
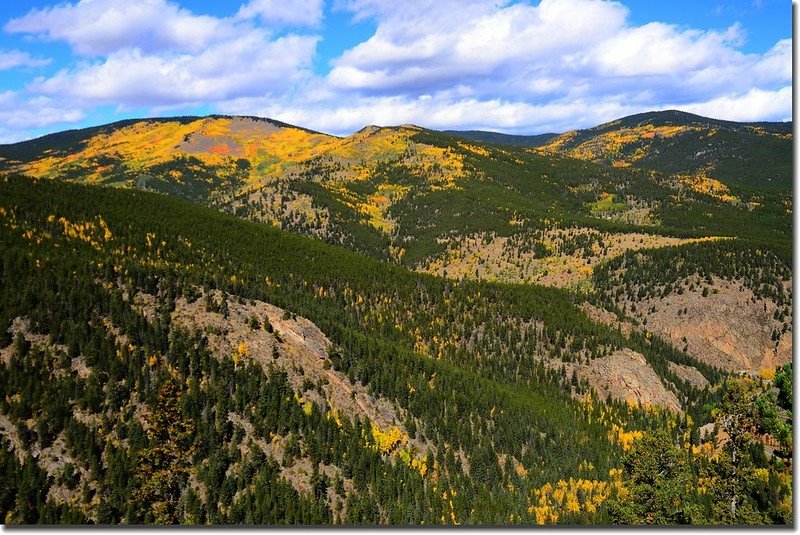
<point x="688" y="145"/>
<point x="259" y="323"/>
<point x="441" y="205"/>
<point x="498" y="138"/>
<point x="204" y="369"/>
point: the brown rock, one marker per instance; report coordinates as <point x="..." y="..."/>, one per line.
<point x="626" y="376"/>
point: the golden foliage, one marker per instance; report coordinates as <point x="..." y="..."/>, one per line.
<point x="480" y="151"/>
<point x="549" y="502"/>
<point x="622" y="145"/>
<point x="385" y="441"/>
<point x="768" y="374"/>
<point x="702" y="183"/>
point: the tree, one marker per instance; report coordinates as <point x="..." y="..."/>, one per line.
<point x="661" y="485"/>
<point x="164" y="466"/>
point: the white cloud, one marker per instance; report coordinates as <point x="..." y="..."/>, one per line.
<point x="19" y="113"/>
<point x="10" y="59"/>
<point x="155" y="54"/>
<point x="281" y="12"/>
<point x="440" y="112"/>
<point x="754" y="105"/>
<point x="416" y="47"/>
<point x="560" y="50"/>
<point x="248" y="65"/>
<point x="514" y="67"/>
<point x="98" y="27"/>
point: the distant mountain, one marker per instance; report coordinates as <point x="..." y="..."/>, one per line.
<point x="497" y="138"/>
<point x="403" y="192"/>
<point x="677" y="142"/>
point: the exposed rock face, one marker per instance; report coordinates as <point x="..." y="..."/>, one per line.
<point x="626" y="376"/>
<point x="730" y="328"/>
<point x="227" y="140"/>
<point x="296" y="346"/>
<point x="22" y="325"/>
<point x="689" y="374"/>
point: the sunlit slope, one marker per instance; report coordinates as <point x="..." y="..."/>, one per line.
<point x="152" y="277"/>
<point x="410" y="195"/>
<point x="680" y="143"/>
<point x="232" y="148"/>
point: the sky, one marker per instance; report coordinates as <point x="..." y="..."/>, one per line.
<point x="522" y="67"/>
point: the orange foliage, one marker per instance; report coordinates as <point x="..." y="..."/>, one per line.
<point x="220" y="149"/>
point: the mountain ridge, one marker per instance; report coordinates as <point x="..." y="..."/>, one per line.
<point x="507" y="139"/>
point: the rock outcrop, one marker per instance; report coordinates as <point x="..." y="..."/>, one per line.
<point x="626" y="376"/>
<point x="730" y="327"/>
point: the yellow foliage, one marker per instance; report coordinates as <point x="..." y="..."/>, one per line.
<point x="480" y="151"/>
<point x="419" y="465"/>
<point x="708" y="186"/>
<point x="333" y="414"/>
<point x="549" y="502"/>
<point x="386" y="441"/>
<point x="305" y="404"/>
<point x="612" y="144"/>
<point x="617" y="434"/>
<point x="91" y="232"/>
<point x="768" y="374"/>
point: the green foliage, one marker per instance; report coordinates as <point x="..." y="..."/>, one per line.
<point x="662" y="485"/>
<point x="739" y="153"/>
<point x="783" y="380"/>
<point x="70" y="287"/>
<point x="150" y="424"/>
<point x="730" y="481"/>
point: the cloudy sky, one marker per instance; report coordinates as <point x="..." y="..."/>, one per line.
<point x="337" y="65"/>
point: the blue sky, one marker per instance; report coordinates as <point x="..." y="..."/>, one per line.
<point x="337" y="65"/>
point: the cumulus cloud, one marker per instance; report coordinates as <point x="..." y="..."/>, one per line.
<point x="502" y="65"/>
<point x="20" y="112"/>
<point x="754" y="105"/>
<point x="577" y="47"/>
<point x="295" y="13"/>
<point x="442" y="112"/>
<point x="247" y="65"/>
<point x="98" y="27"/>
<point x="157" y="55"/>
<point x="10" y="59"/>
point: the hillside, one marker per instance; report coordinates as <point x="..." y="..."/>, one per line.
<point x="372" y="190"/>
<point x="438" y="204"/>
<point x="498" y="138"/>
<point x="204" y="369"/>
<point x="694" y="148"/>
<point x="576" y="315"/>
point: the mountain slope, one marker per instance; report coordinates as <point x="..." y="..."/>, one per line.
<point x="162" y="362"/>
<point x="681" y="143"/>
<point x="433" y="202"/>
<point x="498" y="138"/>
<point x="199" y="317"/>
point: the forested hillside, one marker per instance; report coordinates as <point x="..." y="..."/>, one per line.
<point x="213" y="320"/>
<point x="165" y="363"/>
<point x="693" y="147"/>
